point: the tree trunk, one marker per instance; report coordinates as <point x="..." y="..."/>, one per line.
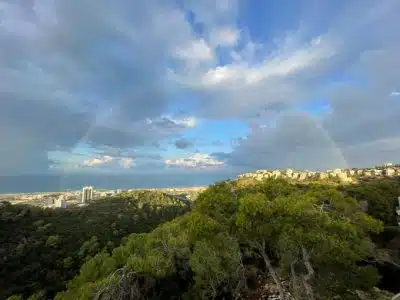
<point x="309" y="275"/>
<point x="295" y="293"/>
<point x="271" y="270"/>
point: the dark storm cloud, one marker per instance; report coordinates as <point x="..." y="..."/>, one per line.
<point x="183" y="144"/>
<point x="63" y="63"/>
<point x="361" y="128"/>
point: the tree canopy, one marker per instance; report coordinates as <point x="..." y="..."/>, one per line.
<point x="313" y="241"/>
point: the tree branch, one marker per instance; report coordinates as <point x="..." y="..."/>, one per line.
<point x="294" y="279"/>
<point x="271" y="270"/>
<point x="310" y="273"/>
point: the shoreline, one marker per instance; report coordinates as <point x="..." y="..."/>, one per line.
<point x="103" y="190"/>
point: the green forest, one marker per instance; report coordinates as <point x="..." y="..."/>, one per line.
<point x="297" y="241"/>
<point x="41" y="249"/>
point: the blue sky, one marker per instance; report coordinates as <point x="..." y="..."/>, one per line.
<point x="197" y="87"/>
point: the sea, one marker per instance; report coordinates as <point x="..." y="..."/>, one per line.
<point x="59" y="183"/>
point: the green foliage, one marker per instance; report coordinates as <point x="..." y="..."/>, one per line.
<point x="215" y="262"/>
<point x="15" y="297"/>
<point x="289" y="225"/>
<point x="53" y="241"/>
<point x="41" y="249"/>
<point x="201" y="226"/>
<point x="381" y="196"/>
<point x="95" y="268"/>
<point x="273" y="188"/>
<point x="315" y="236"/>
<point x="90" y="247"/>
<point x="38" y="296"/>
<point x="218" y="202"/>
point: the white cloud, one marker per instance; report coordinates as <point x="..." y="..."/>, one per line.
<point x="278" y="65"/>
<point x="170" y="124"/>
<point x="189" y="122"/>
<point x="197" y="160"/>
<point x="238" y="89"/>
<point x="60" y="84"/>
<point x="222" y="75"/>
<point x="97" y="161"/>
<point x="293" y="69"/>
<point x="227" y="37"/>
<point x="102" y="162"/>
<point x="361" y="128"/>
<point x="195" y="51"/>
<point x="60" y="70"/>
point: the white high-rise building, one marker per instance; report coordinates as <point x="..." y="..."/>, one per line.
<point x="87" y="194"/>
<point x="61" y="203"/>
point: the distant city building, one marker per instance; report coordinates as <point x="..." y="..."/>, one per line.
<point x="87" y="194"/>
<point x="389" y="172"/>
<point x="61" y="203"/>
<point x="323" y="175"/>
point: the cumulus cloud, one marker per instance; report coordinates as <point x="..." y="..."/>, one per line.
<point x="64" y="65"/>
<point x="225" y="37"/>
<point x="172" y="123"/>
<point x="94" y="162"/>
<point x="296" y="141"/>
<point x="197" y="160"/>
<point x="358" y="75"/>
<point x="284" y="76"/>
<point x="294" y="69"/>
<point x="76" y="73"/>
<point x="98" y="163"/>
<point x="196" y="50"/>
<point x="278" y="65"/>
<point x="360" y="128"/>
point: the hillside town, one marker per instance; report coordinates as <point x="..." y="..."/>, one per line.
<point x="348" y="175"/>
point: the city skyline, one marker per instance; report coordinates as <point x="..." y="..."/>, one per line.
<point x="205" y="91"/>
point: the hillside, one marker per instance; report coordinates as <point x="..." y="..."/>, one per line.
<point x="41" y="249"/>
<point x="273" y="239"/>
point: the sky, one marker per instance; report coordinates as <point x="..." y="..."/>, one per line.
<point x="197" y="87"/>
